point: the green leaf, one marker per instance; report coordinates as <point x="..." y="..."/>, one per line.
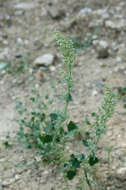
<point x="93" y="160"/>
<point x="71" y="174"/>
<point x="43" y="116"/>
<point x="53" y="116"/>
<point x="72" y="126"/>
<point x="47" y="138"/>
<point x="94" y="114"/>
<point x="6" y="144"/>
<point x="75" y="161"/>
<point x="85" y="143"/>
<point x="70" y="98"/>
<point x="32" y="99"/>
<point x="87" y="121"/>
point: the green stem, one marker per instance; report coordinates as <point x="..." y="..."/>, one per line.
<point x="87" y="180"/>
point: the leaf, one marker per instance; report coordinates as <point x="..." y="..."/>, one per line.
<point x="93" y="160"/>
<point x="81" y="157"/>
<point x="43" y="116"/>
<point x="7" y="144"/>
<point x="70" y="98"/>
<point x="87" y="121"/>
<point x="32" y="99"/>
<point x="75" y="161"/>
<point x="47" y="138"/>
<point x="53" y="116"/>
<point x="85" y="143"/>
<point x="94" y="114"/>
<point x="71" y="174"/>
<point x="72" y="126"/>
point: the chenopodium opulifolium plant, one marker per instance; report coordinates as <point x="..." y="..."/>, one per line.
<point x="45" y="130"/>
<point x="83" y="162"/>
<point x="50" y="131"/>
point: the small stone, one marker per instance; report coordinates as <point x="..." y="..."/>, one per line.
<point x="17" y="177"/>
<point x="56" y="13"/>
<point x="36" y="86"/>
<point x="121" y="172"/>
<point x="19" y="13"/>
<point x="46" y="173"/>
<point x="52" y="68"/>
<point x="39" y="76"/>
<point x="94" y="93"/>
<point x="4" y="54"/>
<point x="118" y="59"/>
<point x="45" y="60"/>
<point x="103" y="49"/>
<point x="19" y="41"/>
<point x="5" y="42"/>
<point x="85" y="11"/>
<point x="26" y="6"/>
<point x="117" y="25"/>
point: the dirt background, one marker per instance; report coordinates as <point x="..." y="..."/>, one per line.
<point x="27" y="31"/>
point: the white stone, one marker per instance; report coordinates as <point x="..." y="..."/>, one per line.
<point x="19" y="41"/>
<point x="25" y="6"/>
<point x="85" y="11"/>
<point x="118" y="25"/>
<point x="4" y="54"/>
<point x="45" y="60"/>
<point x="118" y="59"/>
<point x="52" y="68"/>
<point x="94" y="93"/>
<point x="103" y="44"/>
<point x="121" y="171"/>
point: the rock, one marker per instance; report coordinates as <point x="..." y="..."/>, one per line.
<point x="102" y="13"/>
<point x="121" y="173"/>
<point x="19" y="41"/>
<point x="39" y="76"/>
<point x="85" y="11"/>
<point x="25" y="6"/>
<point x="4" y="54"/>
<point x="19" y="12"/>
<point x="102" y="49"/>
<point x="56" y="13"/>
<point x="94" y="93"/>
<point x="45" y="60"/>
<point x="52" y="68"/>
<point x="116" y="25"/>
<point x="118" y="59"/>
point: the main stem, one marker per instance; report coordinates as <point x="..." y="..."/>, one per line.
<point x="68" y="91"/>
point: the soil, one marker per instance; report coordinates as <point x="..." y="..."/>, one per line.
<point x="28" y="33"/>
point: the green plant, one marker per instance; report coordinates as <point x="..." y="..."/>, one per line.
<point x="49" y="132"/>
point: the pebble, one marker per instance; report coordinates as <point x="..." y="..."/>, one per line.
<point x="56" y="13"/>
<point x="25" y="6"/>
<point x="117" y="25"/>
<point x="85" y="11"/>
<point x="118" y="59"/>
<point x="45" y="60"/>
<point x="52" y="68"/>
<point x="4" y="53"/>
<point x="94" y="93"/>
<point x="39" y="76"/>
<point x="102" y="49"/>
<point x="19" y="12"/>
<point x="19" y="41"/>
<point x="121" y="172"/>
